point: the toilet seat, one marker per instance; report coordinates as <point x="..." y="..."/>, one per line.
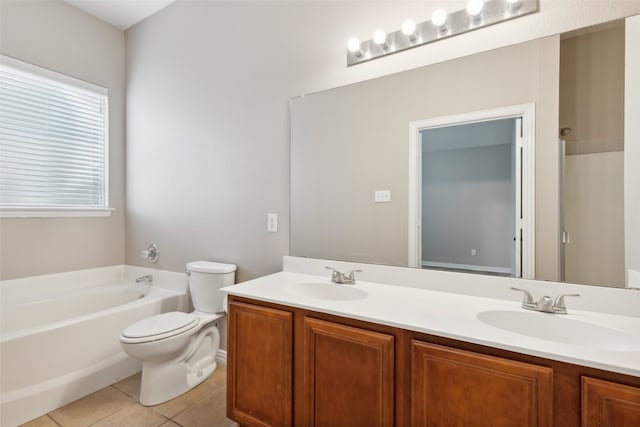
<point x="159" y="327"/>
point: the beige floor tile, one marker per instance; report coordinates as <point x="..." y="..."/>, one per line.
<point x="173" y="407"/>
<point x="132" y="415"/>
<point x="89" y="409"/>
<point x="208" y="412"/>
<point x="43" y="421"/>
<point x="130" y="386"/>
<point x="219" y="378"/>
<point x="170" y="424"/>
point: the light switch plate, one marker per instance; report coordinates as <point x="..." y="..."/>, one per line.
<point x="272" y="222"/>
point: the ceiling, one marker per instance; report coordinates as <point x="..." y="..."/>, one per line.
<point x="121" y="14"/>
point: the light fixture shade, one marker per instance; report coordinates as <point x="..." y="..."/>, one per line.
<point x="353" y="45"/>
<point x="380" y="37"/>
<point x="439" y="17"/>
<point x="474" y="7"/>
<point x="409" y="27"/>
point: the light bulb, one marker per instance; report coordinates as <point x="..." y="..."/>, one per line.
<point x="474" y="7"/>
<point x="380" y="37"/>
<point x="353" y="45"/>
<point x="439" y="17"/>
<point x="514" y="5"/>
<point x="409" y="27"/>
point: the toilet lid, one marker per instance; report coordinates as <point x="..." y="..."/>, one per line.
<point x="166" y="324"/>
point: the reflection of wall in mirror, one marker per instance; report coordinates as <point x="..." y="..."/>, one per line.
<point x="632" y="150"/>
<point x="592" y="105"/>
<point x="360" y="132"/>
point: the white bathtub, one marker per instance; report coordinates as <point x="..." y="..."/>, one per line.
<point x="59" y="334"/>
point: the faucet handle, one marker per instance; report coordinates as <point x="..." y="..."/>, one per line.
<point x="559" y="302"/>
<point x="527" y="297"/>
<point x="336" y="276"/>
<point x="351" y="275"/>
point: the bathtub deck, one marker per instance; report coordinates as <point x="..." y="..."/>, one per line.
<point x="118" y="405"/>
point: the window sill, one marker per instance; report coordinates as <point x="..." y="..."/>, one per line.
<point x="55" y="212"/>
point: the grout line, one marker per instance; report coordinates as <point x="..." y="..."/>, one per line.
<point x="106" y="416"/>
<point x="54" y="421"/>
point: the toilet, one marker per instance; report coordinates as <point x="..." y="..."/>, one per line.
<point x="178" y="350"/>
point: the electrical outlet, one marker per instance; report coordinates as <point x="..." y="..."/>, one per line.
<point x="382" y="196"/>
<point x="473" y="252"/>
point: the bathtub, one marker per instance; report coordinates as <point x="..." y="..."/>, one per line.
<point x="59" y="334"/>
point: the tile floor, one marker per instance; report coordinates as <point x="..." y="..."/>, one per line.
<point x="118" y="406"/>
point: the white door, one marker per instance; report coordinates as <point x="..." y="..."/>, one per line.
<point x="518" y="242"/>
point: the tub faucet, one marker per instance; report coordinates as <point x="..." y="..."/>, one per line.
<point x="148" y="278"/>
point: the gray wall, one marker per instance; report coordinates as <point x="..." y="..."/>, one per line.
<point x="60" y="37"/>
<point x="207" y="135"/>
<point x="592" y="91"/>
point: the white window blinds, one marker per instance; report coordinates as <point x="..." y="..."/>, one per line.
<point x="53" y="139"/>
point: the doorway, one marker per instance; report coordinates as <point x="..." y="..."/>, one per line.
<point x="471" y="192"/>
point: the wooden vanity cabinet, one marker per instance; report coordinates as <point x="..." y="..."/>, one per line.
<point x="294" y="367"/>
<point x="259" y="365"/>
<point x="462" y="388"/>
<point x="348" y="376"/>
<point x="608" y="404"/>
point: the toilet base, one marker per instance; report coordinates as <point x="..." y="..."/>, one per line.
<point x="163" y="381"/>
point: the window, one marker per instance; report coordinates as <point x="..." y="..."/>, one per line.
<point x="53" y="143"/>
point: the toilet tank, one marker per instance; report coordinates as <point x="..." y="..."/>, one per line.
<point x="205" y="280"/>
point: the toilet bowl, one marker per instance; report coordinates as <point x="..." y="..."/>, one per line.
<point x="178" y="350"/>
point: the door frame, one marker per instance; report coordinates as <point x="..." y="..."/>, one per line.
<point x="526" y="146"/>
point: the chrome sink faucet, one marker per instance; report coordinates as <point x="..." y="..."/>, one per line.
<point x="544" y="304"/>
<point x="148" y="278"/>
<point x="341" y="278"/>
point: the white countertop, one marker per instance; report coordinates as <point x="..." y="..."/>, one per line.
<point x="455" y="316"/>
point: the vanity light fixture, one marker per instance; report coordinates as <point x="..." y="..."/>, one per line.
<point x="380" y="38"/>
<point x="439" y="20"/>
<point x="409" y="30"/>
<point x="514" y="5"/>
<point x="353" y="45"/>
<point x="474" y="8"/>
<point x="478" y="14"/>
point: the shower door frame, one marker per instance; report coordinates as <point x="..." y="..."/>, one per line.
<point x="525" y="157"/>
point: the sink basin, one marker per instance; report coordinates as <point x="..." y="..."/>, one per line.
<point x="328" y="291"/>
<point x="559" y="328"/>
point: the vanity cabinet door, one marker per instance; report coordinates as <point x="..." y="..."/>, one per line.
<point x="348" y="376"/>
<point x="451" y="387"/>
<point x="607" y="404"/>
<point x="259" y="366"/>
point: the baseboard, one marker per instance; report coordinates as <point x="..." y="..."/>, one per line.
<point x="454" y="266"/>
<point x="221" y="357"/>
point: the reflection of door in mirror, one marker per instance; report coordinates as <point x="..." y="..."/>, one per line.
<point x="592" y="106"/>
<point x="469" y="198"/>
<point x="472" y="180"/>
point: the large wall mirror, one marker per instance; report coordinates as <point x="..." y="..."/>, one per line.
<point x="507" y="162"/>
